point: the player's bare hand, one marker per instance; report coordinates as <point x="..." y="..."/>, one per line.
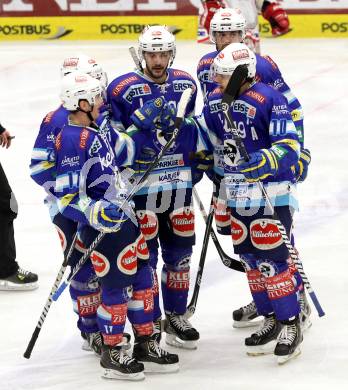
<point x="5" y="139"/>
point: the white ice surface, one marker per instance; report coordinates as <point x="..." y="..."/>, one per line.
<point x="317" y="72"/>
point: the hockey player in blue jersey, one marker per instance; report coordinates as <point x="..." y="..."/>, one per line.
<point x="43" y="172"/>
<point x="229" y="26"/>
<point x="262" y="116"/>
<point x="172" y="224"/>
<point x="130" y="91"/>
<point x="90" y="191"/>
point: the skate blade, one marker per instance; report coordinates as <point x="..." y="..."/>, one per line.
<point x="85" y="346"/>
<point x="259" y="350"/>
<point x="175" y="341"/>
<point x="306" y="325"/>
<point x="283" y="359"/>
<point x="155" y="368"/>
<point x="9" y="286"/>
<point x="108" y="373"/>
<point x="246" y="324"/>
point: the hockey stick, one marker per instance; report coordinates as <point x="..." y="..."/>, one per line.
<point x="136" y="60"/>
<point x="191" y="308"/>
<point x="238" y="76"/>
<point x="177" y="124"/>
<point x="49" y="301"/>
<point x="226" y="260"/>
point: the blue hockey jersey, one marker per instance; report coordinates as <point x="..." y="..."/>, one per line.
<point x="268" y="73"/>
<point x="86" y="170"/>
<point x="42" y="166"/>
<point x="43" y="160"/>
<point x="174" y="170"/>
<point x="130" y="91"/>
<point x="263" y="120"/>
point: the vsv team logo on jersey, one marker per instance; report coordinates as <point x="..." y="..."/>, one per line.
<point x="136" y="90"/>
<point x="161" y="141"/>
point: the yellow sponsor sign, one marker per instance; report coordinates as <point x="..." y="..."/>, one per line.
<point x="312" y="26"/>
<point x="93" y="27"/>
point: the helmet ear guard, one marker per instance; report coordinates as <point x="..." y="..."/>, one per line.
<point x="227" y="19"/>
<point x="230" y="57"/>
<point x="156" y="39"/>
<point x="77" y="86"/>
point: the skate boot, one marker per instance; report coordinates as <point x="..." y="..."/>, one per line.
<point x="157" y="330"/>
<point x="116" y="364"/>
<point x="289" y="340"/>
<point x="244" y="316"/>
<point x="305" y="313"/>
<point x="21" y="280"/>
<point x="155" y="359"/>
<point x="264" y="340"/>
<point x="180" y="332"/>
<point x="94" y="341"/>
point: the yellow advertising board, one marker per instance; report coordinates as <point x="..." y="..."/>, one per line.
<point x="312" y="26"/>
<point x="129" y="27"/>
<point x="92" y="27"/>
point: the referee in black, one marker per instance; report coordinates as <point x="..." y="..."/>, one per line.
<point x="12" y="277"/>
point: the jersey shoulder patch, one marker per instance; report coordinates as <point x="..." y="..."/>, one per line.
<point x="256" y="96"/>
<point x="123" y="82"/>
<point x="270" y="61"/>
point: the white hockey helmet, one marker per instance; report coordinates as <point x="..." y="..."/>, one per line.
<point x="85" y="64"/>
<point x="156" y="39"/>
<point x="230" y="57"/>
<point x="78" y="86"/>
<point x="227" y="19"/>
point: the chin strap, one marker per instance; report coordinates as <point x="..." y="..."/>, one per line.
<point x="89" y="115"/>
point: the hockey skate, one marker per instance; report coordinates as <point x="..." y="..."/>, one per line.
<point x="116" y="364"/>
<point x="180" y="332"/>
<point x="289" y="340"/>
<point x="157" y="330"/>
<point x="244" y="317"/>
<point x="94" y="341"/>
<point x="305" y="321"/>
<point x="21" y="280"/>
<point x="264" y="340"/>
<point x="155" y="359"/>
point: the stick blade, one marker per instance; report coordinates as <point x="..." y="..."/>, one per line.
<point x="184" y="100"/>
<point x="234" y="84"/>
